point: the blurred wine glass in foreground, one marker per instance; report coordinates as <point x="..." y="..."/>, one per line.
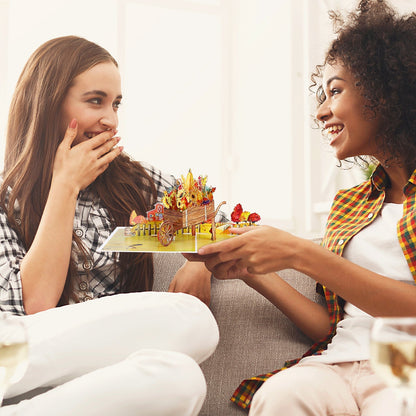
<point x="393" y="357"/>
<point x="13" y="351"/>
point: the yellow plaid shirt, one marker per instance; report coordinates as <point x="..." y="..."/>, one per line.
<point x="351" y="211"/>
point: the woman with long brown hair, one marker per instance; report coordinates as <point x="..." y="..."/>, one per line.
<point x="66" y="185"/>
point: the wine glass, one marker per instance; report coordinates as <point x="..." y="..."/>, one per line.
<point x="393" y="357"/>
<point x="13" y="351"/>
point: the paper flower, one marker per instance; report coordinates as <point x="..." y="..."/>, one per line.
<point x="136" y="219"/>
<point x="244" y="215"/>
<point x="253" y="217"/>
<point x="182" y="204"/>
<point x="188" y="192"/>
<point x="237" y="211"/>
<point x="238" y="215"/>
<point x="166" y="201"/>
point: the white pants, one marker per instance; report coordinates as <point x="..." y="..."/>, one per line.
<point x="318" y="389"/>
<point x="129" y="354"/>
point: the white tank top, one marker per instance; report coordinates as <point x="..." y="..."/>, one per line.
<point x="376" y="248"/>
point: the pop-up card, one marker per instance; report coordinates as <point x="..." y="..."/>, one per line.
<point x="183" y="222"/>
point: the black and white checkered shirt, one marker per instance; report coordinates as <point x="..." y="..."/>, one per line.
<point x="92" y="224"/>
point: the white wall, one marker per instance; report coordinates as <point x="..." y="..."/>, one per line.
<point x="261" y="80"/>
<point x="26" y="24"/>
<point x="4" y="58"/>
<point x="219" y="86"/>
<point x="207" y="88"/>
<point x="206" y="85"/>
<point x="171" y="63"/>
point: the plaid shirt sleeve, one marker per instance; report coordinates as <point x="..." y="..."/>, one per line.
<point x="161" y="180"/>
<point x="12" y="252"/>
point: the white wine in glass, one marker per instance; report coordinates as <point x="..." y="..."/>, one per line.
<point x="393" y="356"/>
<point x="13" y="351"/>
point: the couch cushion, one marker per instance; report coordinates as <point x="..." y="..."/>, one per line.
<point x="255" y="337"/>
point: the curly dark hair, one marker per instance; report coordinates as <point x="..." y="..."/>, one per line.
<point x="378" y="47"/>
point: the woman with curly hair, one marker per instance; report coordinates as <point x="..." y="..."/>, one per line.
<point x="366" y="265"/>
<point x="95" y="328"/>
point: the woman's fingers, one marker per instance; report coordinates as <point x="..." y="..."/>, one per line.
<point x="102" y="149"/>
<point x="100" y="139"/>
<point x="224" y="270"/>
<point x="258" y="250"/>
<point x="193" y="257"/>
<point x="70" y="134"/>
<point x="214" y="260"/>
<point x="221" y="246"/>
<point x="241" y="230"/>
<point x="82" y="163"/>
<point x="107" y="147"/>
<point x="101" y="143"/>
<point x="108" y="157"/>
<point x="231" y="243"/>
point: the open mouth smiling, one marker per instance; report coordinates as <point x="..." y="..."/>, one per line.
<point x="332" y="131"/>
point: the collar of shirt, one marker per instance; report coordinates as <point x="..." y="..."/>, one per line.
<point x="379" y="181"/>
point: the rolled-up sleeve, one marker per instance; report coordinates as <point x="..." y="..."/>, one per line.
<point x="11" y="254"/>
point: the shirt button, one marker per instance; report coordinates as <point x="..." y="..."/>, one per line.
<point x="370" y="215"/>
<point x="341" y="242"/>
<point x="87" y="265"/>
<point x="18" y="221"/>
<point x="83" y="286"/>
<point x="87" y="298"/>
<point x="79" y="232"/>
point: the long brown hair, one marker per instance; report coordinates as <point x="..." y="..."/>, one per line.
<point x="33" y="135"/>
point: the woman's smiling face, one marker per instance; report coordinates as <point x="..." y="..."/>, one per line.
<point x="93" y="99"/>
<point x="349" y="127"/>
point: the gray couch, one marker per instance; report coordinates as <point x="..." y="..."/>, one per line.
<point x="255" y="337"/>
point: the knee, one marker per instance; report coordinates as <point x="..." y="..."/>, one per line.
<point x="314" y="389"/>
<point x="201" y="331"/>
<point x="282" y="393"/>
<point x="191" y="387"/>
<point x="269" y="396"/>
<point x="181" y="385"/>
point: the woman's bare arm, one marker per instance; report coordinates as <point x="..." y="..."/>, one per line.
<point x="44" y="268"/>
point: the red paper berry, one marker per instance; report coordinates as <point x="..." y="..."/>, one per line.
<point x="253" y="217"/>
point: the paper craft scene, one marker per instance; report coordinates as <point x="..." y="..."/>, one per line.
<point x="207" y="208"/>
<point x="183" y="222"/>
